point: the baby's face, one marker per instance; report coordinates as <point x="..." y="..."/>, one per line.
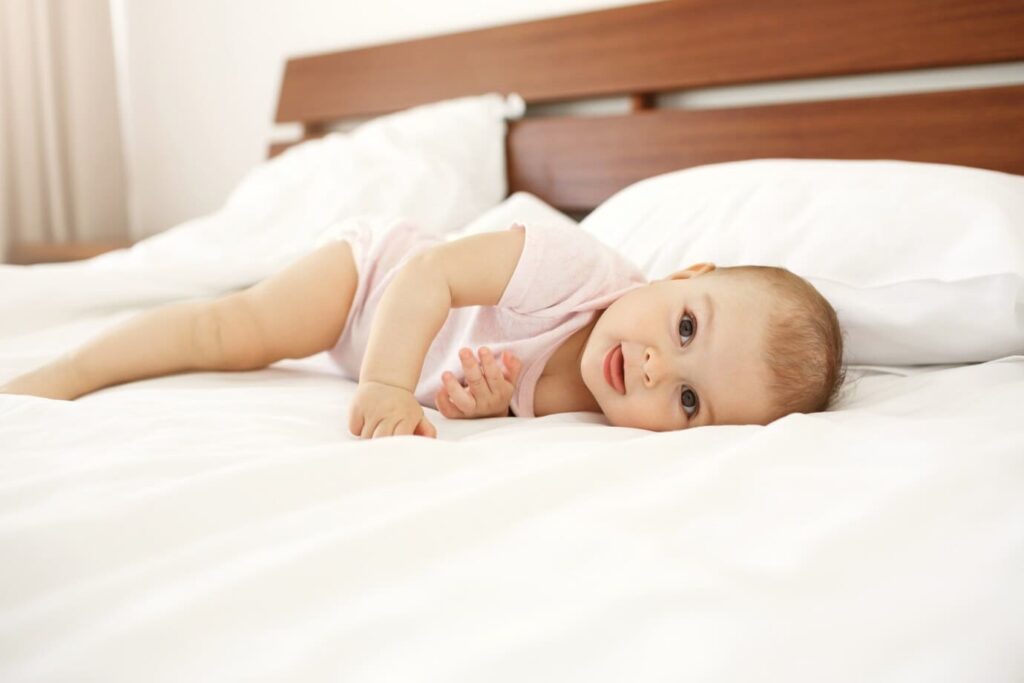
<point x="690" y="353"/>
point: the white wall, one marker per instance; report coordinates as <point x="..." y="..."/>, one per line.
<point x="199" y="81"/>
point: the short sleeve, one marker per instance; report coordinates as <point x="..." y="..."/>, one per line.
<point x="563" y="269"/>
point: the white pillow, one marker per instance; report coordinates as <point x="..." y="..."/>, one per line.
<point x="439" y="164"/>
<point x="907" y="253"/>
<point x="929" y="321"/>
<point x="521" y="207"/>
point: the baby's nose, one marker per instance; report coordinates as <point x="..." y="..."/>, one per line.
<point x="651" y="368"/>
<point x="657" y="367"/>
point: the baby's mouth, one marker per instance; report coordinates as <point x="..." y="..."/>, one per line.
<point x="615" y="369"/>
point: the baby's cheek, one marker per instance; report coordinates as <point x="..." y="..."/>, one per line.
<point x="638" y="415"/>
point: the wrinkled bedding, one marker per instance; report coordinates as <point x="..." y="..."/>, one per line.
<point x="225" y="526"/>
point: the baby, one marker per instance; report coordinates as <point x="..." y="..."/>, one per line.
<point x="560" y="323"/>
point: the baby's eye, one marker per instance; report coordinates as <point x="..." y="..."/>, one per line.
<point x="690" y="402"/>
<point x="687" y="327"/>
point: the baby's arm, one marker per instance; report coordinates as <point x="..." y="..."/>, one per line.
<point x="472" y="271"/>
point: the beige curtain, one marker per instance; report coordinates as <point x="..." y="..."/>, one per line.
<point x="61" y="165"/>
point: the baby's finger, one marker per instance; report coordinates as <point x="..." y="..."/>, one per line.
<point x="471" y="369"/>
<point x="426" y="428"/>
<point x="492" y="373"/>
<point x="512" y="366"/>
<point x="439" y="401"/>
<point x="369" y="424"/>
<point x="355" y="423"/>
<point x="384" y="428"/>
<point x="368" y="427"/>
<point x="459" y="395"/>
<point x="445" y="406"/>
<point x="405" y="427"/>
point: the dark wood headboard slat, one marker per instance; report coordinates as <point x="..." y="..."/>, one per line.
<point x="575" y="163"/>
<point x="654" y="47"/>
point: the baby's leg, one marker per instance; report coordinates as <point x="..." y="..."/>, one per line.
<point x="296" y="313"/>
<point x="293" y="314"/>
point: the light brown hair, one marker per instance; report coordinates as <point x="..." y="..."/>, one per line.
<point x="804" y="343"/>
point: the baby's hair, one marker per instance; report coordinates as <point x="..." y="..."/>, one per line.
<point x="804" y="343"/>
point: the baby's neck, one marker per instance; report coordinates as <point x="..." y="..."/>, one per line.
<point x="560" y="388"/>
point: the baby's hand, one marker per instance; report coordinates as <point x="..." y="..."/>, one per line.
<point x="383" y="410"/>
<point x="489" y="391"/>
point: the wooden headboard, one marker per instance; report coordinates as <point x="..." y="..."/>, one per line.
<point x="575" y="162"/>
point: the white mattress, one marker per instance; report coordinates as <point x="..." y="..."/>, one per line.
<point x="216" y="527"/>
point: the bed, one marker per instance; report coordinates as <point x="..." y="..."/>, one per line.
<point x="225" y="526"/>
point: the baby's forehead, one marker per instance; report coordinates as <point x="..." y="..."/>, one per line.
<point x="740" y="281"/>
<point x="724" y="279"/>
<point x="736" y="275"/>
<point x="734" y="293"/>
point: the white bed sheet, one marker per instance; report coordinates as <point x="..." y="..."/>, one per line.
<point x="216" y="527"/>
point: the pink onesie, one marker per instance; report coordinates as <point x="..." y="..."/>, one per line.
<point x="563" y="276"/>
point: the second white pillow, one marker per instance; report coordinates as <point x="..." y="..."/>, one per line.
<point x="924" y="263"/>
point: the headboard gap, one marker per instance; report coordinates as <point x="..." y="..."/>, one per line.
<point x="641" y="101"/>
